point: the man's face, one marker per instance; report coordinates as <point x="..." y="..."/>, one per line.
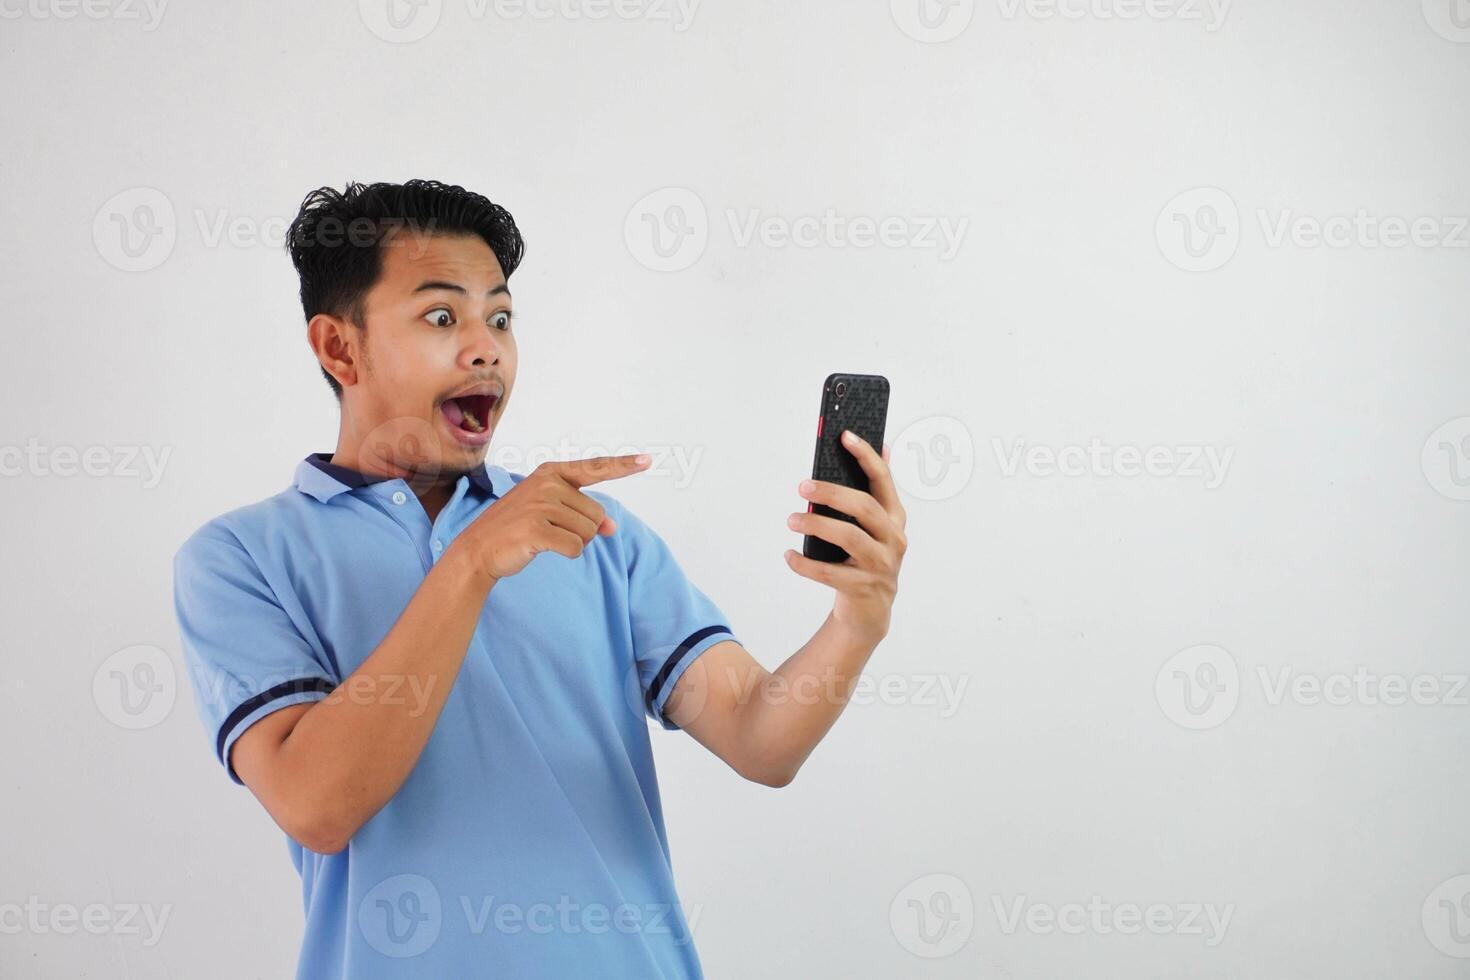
<point x="438" y="324"/>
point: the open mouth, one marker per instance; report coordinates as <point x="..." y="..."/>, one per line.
<point x="469" y="412"/>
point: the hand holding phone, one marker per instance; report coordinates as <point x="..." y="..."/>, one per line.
<point x="849" y="401"/>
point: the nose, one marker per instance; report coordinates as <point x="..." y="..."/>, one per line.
<point x="483" y="349"/>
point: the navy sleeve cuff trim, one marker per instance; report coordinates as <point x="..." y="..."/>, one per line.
<point x="285" y="689"/>
<point x="657" y="687"/>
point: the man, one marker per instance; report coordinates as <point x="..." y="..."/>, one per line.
<point x="434" y="673"/>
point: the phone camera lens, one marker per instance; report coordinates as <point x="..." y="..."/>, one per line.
<point x="841" y="388"/>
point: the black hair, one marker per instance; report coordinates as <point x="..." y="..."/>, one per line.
<point x="335" y="241"/>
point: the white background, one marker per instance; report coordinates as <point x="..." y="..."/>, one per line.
<point x="1071" y="312"/>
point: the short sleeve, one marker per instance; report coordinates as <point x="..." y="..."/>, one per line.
<point x="672" y="621"/>
<point x="245" y="657"/>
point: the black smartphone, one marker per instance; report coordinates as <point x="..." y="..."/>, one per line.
<point x="849" y="401"/>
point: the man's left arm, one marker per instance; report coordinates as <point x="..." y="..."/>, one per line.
<point x="764" y="724"/>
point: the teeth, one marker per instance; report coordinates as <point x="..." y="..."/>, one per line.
<point x="472" y="423"/>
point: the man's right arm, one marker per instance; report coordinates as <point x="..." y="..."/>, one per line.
<point x="323" y="769"/>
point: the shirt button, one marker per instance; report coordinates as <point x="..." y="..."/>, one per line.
<point x="438" y="545"/>
<point x="399" y="496"/>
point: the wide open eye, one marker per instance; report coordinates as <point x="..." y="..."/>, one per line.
<point x="440" y="316"/>
<point x="501" y="320"/>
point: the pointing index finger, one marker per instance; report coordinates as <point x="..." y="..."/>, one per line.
<point x="584" y="472"/>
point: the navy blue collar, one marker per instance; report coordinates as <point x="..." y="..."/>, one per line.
<point x="481" y="477"/>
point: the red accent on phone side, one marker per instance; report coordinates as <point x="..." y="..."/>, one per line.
<point x="820" y="420"/>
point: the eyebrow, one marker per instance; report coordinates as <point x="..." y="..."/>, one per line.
<point x="454" y="287"/>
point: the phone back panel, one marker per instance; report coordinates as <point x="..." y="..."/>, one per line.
<point x="863" y="408"/>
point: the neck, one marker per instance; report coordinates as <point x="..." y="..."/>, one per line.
<point x="432" y="487"/>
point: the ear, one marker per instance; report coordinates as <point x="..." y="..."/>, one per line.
<point x="335" y="343"/>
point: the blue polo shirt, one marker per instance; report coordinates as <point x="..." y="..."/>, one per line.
<point x="528" y="841"/>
